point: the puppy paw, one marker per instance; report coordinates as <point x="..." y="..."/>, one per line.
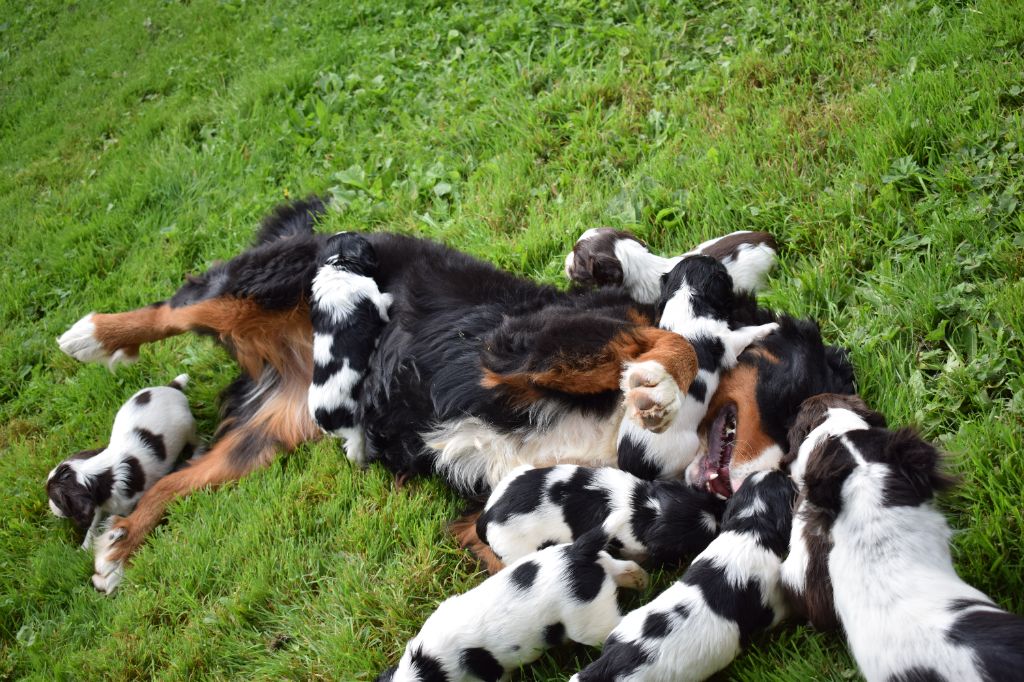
<point x="652" y="395"/>
<point x="80" y="342"/>
<point x="632" y="577"/>
<point x="108" y="572"/>
<point x="355" y="448"/>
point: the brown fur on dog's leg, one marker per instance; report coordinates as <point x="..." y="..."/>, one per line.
<point x="215" y="467"/>
<point x="464" y="530"/>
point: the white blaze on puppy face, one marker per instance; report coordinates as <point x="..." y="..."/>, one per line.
<point x="838" y="421"/>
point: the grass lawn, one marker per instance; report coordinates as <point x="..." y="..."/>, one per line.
<point x="881" y="142"/>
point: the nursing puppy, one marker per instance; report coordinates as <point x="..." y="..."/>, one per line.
<point x="534" y="508"/>
<point x="563" y="592"/>
<point x="347" y="311"/>
<point x="604" y="256"/>
<point x="731" y="591"/>
<point x="150" y="431"/>
<point x="660" y="439"/>
<point x="906" y="613"/>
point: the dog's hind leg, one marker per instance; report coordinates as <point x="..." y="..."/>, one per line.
<point x="264" y="417"/>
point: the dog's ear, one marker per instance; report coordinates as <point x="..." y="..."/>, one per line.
<point x="72" y="498"/>
<point x="915" y="466"/>
<point x="828" y="467"/>
<point x="841" y="377"/>
<point x="606" y="269"/>
<point x="812" y="413"/>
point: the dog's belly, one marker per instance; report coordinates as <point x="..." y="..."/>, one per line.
<point x="470" y="452"/>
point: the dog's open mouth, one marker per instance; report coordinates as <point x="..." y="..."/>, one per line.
<point x="711" y="472"/>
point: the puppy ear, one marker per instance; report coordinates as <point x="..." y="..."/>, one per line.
<point x="916" y="461"/>
<point x="606" y="269"/>
<point x="828" y="467"/>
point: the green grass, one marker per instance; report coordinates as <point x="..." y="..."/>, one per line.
<point x="880" y="142"/>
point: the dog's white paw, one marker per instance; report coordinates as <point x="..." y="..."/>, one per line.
<point x="80" y="342"/>
<point x="652" y="395"/>
<point x="108" y="573"/>
<point x="633" y="577"/>
<point x="355" y="447"/>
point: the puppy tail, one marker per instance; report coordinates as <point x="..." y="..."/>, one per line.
<point x="180" y="382"/>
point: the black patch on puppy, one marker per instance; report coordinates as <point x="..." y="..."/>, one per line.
<point x="135" y="481"/>
<point x="554" y="634"/>
<point x="481" y="663"/>
<point x="582" y="506"/>
<point x="143" y="398"/>
<point x="522" y="496"/>
<point x="964" y="604"/>
<point x="771" y="527"/>
<point x="996" y="639"/>
<point x="428" y="668"/>
<point x="524" y="574"/>
<point x="828" y="467"/>
<point x="594" y="260"/>
<point x="656" y="625"/>
<point x="917" y="674"/>
<point x="618" y="659"/>
<point x="678" y="530"/>
<point x="153" y="441"/>
<point x="710" y="350"/>
<point x="74" y="500"/>
<point x="698" y="389"/>
<point x="631" y="458"/>
<point x="585" y="575"/>
<point x="740" y="604"/>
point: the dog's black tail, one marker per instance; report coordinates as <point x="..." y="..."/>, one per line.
<point x="286" y="220"/>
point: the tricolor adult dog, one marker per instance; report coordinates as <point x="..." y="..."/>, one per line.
<point x="477" y="371"/>
<point x="906" y="613"/>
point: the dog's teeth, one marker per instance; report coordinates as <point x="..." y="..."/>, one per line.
<point x="712" y="477"/>
<point x="721" y="496"/>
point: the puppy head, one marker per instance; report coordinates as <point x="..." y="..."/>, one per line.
<point x="707" y="280"/>
<point x="349" y="251"/>
<point x="817" y="409"/>
<point x="592" y="261"/>
<point x="68" y="498"/>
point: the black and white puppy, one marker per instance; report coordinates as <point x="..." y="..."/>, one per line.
<point x="805" y="578"/>
<point x="534" y="508"/>
<point x="348" y="312"/>
<point x="605" y="256"/>
<point x="563" y="592"/>
<point x="150" y="431"/>
<point x="906" y="613"/>
<point x="659" y="437"/>
<point x="731" y="591"/>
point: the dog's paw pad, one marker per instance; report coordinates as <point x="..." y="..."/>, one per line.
<point x="651" y="394"/>
<point x="633" y="578"/>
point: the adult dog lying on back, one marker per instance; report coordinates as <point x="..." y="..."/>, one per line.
<point x="477" y="370"/>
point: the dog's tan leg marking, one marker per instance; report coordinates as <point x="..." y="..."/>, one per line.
<point x="255" y="334"/>
<point x="464" y="530"/>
